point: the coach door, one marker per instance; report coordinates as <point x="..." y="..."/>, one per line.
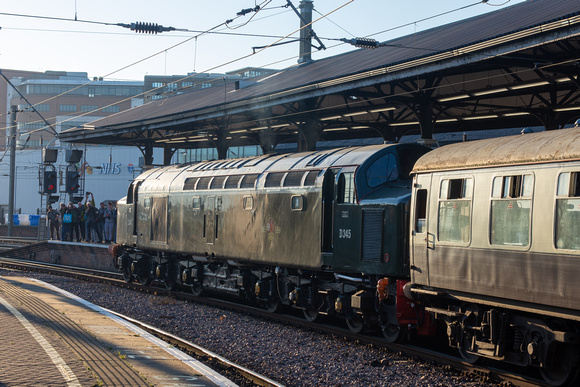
<point x="422" y="241"/>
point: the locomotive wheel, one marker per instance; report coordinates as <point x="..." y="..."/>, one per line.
<point x="564" y="367"/>
<point x="393" y="333"/>
<point x="311" y="315"/>
<point x="145" y="280"/>
<point x="272" y="305"/>
<point x="170" y="284"/>
<point x="355" y="324"/>
<point x="127" y="275"/>
<point x="196" y="289"/>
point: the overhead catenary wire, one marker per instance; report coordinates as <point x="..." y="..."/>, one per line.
<point x="232" y="61"/>
<point x="176" y="45"/>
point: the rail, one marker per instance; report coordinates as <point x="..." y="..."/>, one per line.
<point x="483" y="372"/>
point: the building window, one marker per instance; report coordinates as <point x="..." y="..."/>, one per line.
<point x="66" y="125"/>
<point x="186" y="84"/>
<point x="24" y="127"/>
<point x="89" y="108"/>
<point x="511" y="206"/>
<point x="43" y="107"/>
<point x="67" y="108"/>
<point x="111" y="109"/>
<point x="568" y="211"/>
<point x="157" y="84"/>
<point x="454" y="223"/>
<point x="205" y="85"/>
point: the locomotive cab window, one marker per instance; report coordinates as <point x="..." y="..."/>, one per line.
<point x="454" y="223"/>
<point x="382" y="170"/>
<point x="346" y="192"/>
<point x="511" y="202"/>
<point x="567" y="228"/>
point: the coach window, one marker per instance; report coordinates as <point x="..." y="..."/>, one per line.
<point x="568" y="211"/>
<point x="511" y="204"/>
<point x="421" y="211"/>
<point x="454" y="224"/>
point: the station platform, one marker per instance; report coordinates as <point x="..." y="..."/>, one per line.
<point x="49" y="337"/>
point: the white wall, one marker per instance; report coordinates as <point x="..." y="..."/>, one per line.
<point x="110" y="176"/>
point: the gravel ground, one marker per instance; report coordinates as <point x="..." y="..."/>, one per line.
<point x="289" y="355"/>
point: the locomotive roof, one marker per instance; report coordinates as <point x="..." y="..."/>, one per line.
<point x="313" y="160"/>
<point x="543" y="147"/>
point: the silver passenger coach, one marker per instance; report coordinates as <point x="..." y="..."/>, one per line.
<point x="495" y="246"/>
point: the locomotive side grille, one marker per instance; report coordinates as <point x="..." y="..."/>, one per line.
<point x="372" y="235"/>
<point x="311" y="178"/>
<point x="249" y="181"/>
<point x="274" y="179"/>
<point x="293" y="179"/>
<point x="190" y="183"/>
<point x="217" y="182"/>
<point x="233" y="181"/>
<point x="203" y="183"/>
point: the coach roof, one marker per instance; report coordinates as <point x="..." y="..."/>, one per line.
<point x="543" y="147"/>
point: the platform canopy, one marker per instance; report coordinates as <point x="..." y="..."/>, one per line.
<point x="514" y="67"/>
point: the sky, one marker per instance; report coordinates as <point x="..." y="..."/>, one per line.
<point x="34" y="42"/>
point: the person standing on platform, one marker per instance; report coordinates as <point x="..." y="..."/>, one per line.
<point x="91" y="223"/>
<point x="81" y="223"/>
<point x="101" y="223"/>
<point x="53" y="222"/>
<point x="65" y="223"/>
<point x="109" y="223"/>
<point x="73" y="211"/>
<point x="88" y="233"/>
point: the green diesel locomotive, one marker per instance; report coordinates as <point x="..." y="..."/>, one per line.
<point x="316" y="231"/>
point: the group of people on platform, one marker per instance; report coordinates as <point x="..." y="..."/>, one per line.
<point x="83" y="222"/>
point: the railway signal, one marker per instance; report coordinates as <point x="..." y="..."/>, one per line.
<point x="72" y="182"/>
<point x="49" y="185"/>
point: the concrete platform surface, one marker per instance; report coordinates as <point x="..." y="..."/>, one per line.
<point x="50" y="337"/>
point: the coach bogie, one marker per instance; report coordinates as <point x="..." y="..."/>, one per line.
<point x="494" y="223"/>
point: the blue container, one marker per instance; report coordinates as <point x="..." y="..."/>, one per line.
<point x="34" y="219"/>
<point x="15" y="220"/>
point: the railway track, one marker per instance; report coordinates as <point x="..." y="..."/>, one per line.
<point x="483" y="372"/>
